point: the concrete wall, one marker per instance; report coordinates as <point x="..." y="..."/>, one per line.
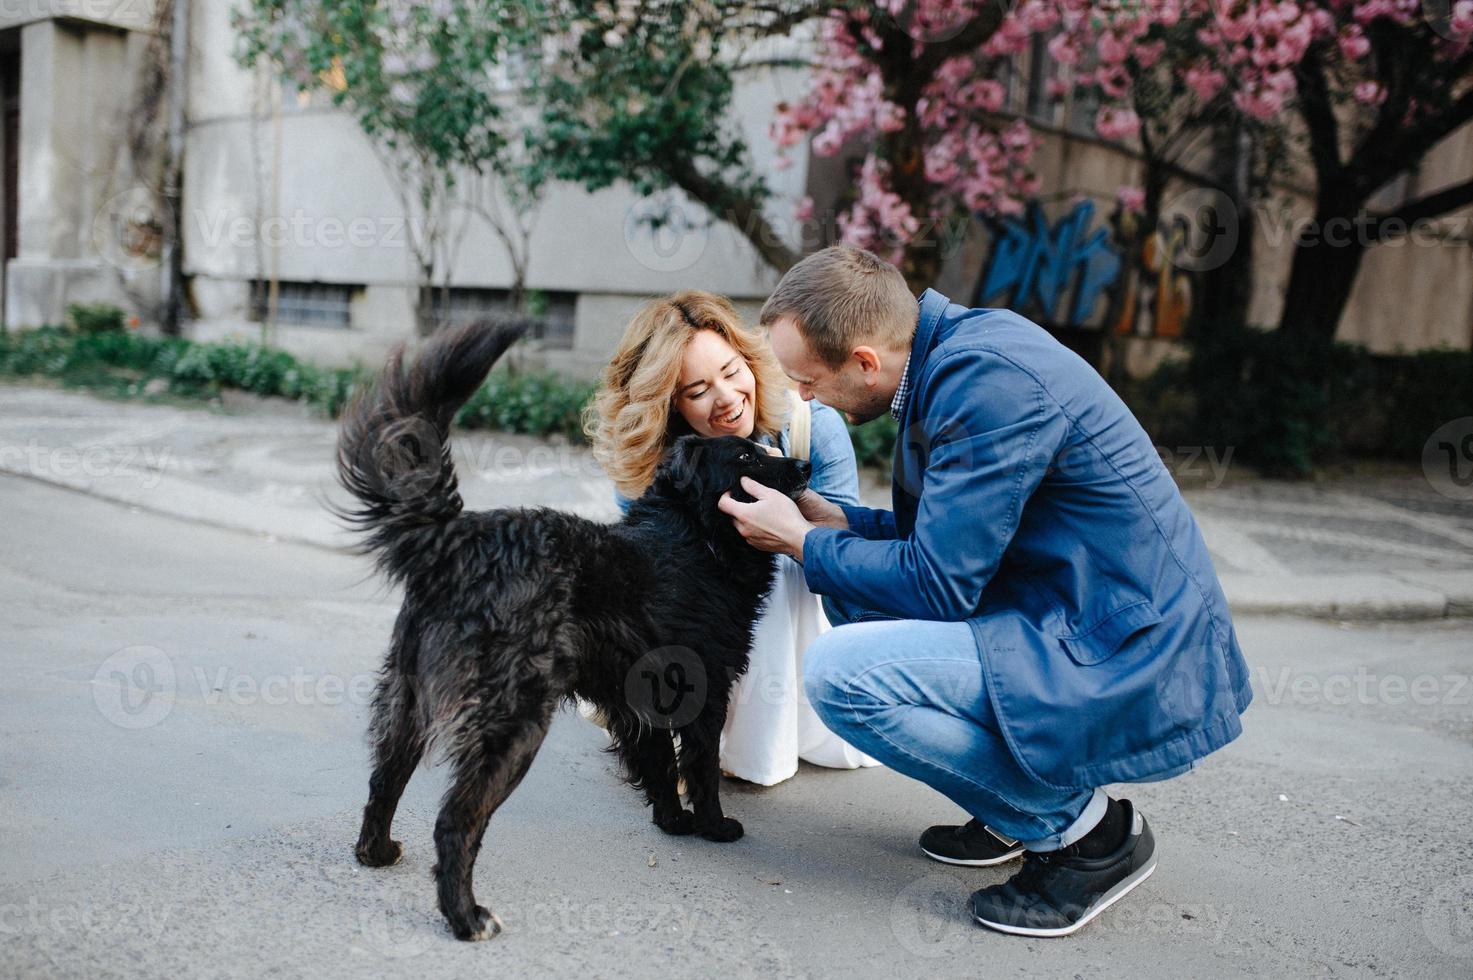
<point x="1412" y="293"/>
<point x="76" y="83"/>
<point x="275" y="185"/>
<point x="332" y="215"/>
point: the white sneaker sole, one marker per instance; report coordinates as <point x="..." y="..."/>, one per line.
<point x="975" y="863"/>
<point x="1110" y="898"/>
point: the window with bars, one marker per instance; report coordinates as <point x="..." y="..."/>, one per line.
<point x="317" y="304"/>
<point x="551" y="311"/>
<point x="1041" y="67"/>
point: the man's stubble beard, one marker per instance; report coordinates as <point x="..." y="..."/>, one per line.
<point x="869" y="410"/>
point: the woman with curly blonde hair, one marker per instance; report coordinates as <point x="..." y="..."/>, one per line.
<point x="687" y="364"/>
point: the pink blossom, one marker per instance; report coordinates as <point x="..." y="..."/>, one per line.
<point x="1116" y="123"/>
<point x="1461" y="22"/>
<point x="1132" y="199"/>
<point x="1148" y="53"/>
<point x="1354" y="45"/>
<point x="1370" y="93"/>
<point x="1110" y="48"/>
<point x="1205" y="81"/>
<point x="1263" y="104"/>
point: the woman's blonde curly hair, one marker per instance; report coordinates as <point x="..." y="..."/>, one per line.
<point x="630" y="421"/>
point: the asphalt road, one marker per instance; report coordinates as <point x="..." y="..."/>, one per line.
<point x="182" y="767"/>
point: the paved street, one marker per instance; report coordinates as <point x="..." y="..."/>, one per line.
<point x="1383" y="546"/>
<point x="182" y="765"/>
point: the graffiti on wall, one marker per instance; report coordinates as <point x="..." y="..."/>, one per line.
<point x="1157" y="296"/>
<point x="1059" y="273"/>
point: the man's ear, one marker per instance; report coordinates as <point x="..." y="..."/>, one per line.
<point x="869" y="361"/>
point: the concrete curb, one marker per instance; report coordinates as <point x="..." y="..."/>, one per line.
<point x="1398" y="596"/>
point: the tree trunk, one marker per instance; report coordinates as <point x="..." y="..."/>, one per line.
<point x="1225" y="292"/>
<point x="424" y="308"/>
<point x="1322" y="274"/>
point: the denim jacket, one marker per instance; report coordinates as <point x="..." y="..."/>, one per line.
<point x="1029" y="502"/>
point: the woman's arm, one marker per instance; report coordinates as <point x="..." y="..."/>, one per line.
<point x="833" y="449"/>
<point x="835" y="474"/>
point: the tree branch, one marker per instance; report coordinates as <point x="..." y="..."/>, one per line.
<point x="1319" y="117"/>
<point x="737" y="208"/>
<point x="1427" y="206"/>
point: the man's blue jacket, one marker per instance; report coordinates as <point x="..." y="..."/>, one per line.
<point x="1029" y="502"/>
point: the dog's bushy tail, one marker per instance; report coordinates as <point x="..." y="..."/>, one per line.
<point x="394" y="443"/>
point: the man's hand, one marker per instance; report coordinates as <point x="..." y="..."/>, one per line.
<point x="816" y="510"/>
<point x="770" y="523"/>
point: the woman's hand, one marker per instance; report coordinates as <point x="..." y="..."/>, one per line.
<point x="820" y="512"/>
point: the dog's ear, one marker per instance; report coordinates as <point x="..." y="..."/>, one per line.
<point x="679" y="473"/>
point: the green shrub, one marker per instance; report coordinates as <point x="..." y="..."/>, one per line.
<point x="874" y="442"/>
<point x="93" y="318"/>
<point x="1286" y="404"/>
<point x="538" y="403"/>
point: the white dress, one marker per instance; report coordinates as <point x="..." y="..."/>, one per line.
<point x="769" y="723"/>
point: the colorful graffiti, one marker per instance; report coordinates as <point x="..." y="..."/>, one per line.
<point x="1160" y="279"/>
<point x="1057" y="274"/>
<point x="1035" y="267"/>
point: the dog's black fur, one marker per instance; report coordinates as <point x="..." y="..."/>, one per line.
<point x="508" y="612"/>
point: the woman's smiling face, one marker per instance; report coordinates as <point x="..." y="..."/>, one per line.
<point x="716" y="392"/>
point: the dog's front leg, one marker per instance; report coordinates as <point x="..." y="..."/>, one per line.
<point x="700" y="763"/>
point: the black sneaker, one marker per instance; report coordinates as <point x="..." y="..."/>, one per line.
<point x="1056" y="893"/>
<point x="971" y="844"/>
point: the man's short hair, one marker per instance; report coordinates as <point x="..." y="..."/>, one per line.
<point x="841" y="297"/>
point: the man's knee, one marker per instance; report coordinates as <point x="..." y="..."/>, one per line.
<point x="827" y="670"/>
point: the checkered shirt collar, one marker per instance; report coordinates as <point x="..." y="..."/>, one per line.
<point x="897" y="404"/>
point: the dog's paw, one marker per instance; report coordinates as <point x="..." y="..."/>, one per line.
<point x="725" y="832"/>
<point x="379" y="854"/>
<point x="484" y="924"/>
<point x="677" y="824"/>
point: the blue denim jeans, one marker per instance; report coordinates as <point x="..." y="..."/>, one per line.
<point x="912" y="694"/>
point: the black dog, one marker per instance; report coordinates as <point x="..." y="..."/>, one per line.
<point x="507" y="613"/>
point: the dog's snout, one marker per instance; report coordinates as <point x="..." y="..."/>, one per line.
<point x="805" y="468"/>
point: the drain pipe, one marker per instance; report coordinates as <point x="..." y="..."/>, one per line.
<point x="172" y="265"/>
